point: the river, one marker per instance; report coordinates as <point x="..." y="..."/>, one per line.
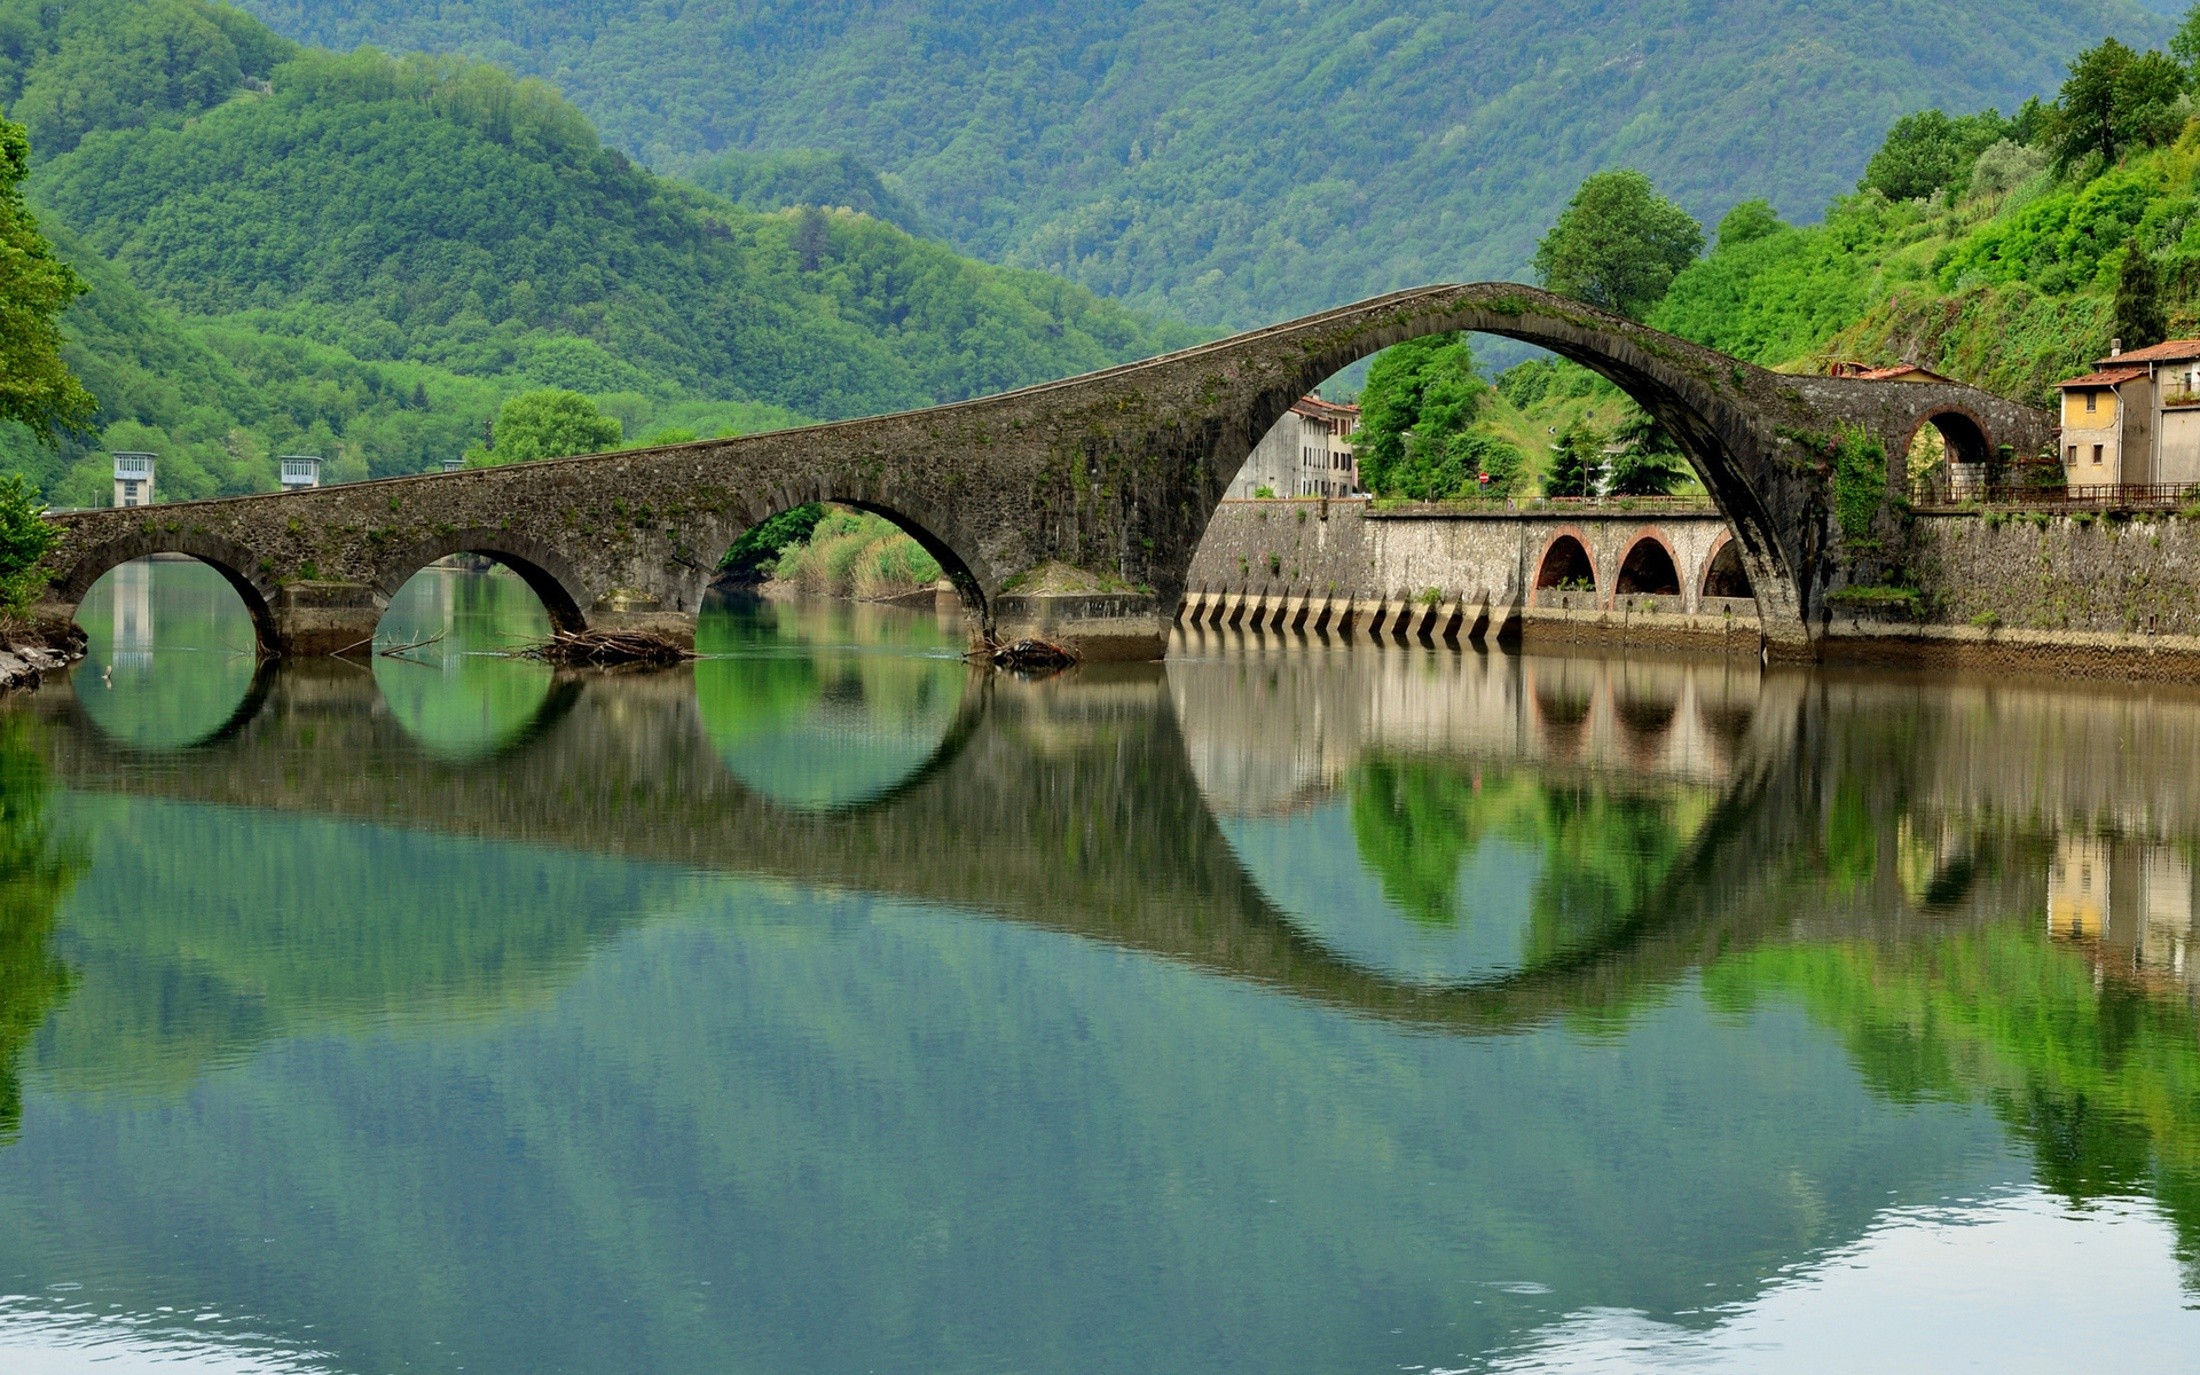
<point x="829" y="1005"/>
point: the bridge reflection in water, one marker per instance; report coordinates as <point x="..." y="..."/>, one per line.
<point x="1951" y="894"/>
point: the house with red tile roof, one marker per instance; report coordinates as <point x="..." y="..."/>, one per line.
<point x="2135" y="419"/>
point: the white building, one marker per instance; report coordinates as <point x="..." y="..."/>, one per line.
<point x="1307" y="454"/>
<point x="300" y="471"/>
<point x="134" y="479"/>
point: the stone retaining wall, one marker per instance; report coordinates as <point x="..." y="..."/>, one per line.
<point x="1266" y="560"/>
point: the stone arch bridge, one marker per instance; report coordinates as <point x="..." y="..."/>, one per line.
<point x="1114" y="474"/>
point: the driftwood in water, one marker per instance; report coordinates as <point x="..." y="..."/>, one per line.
<point x="1033" y="656"/>
<point x="604" y="648"/>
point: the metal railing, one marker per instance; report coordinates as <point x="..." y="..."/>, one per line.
<point x="1690" y="505"/>
<point x="2033" y="495"/>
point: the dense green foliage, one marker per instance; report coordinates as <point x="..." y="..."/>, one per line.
<point x="1238" y="163"/>
<point x="856" y="554"/>
<point x="24" y="540"/>
<point x="546" y="423"/>
<point x="1418" y="437"/>
<point x="805" y="176"/>
<point x="2012" y="269"/>
<point x="1927" y="151"/>
<point x="361" y="256"/>
<point x="753" y="556"/>
<point x="1577" y="463"/>
<point x="1618" y="244"/>
<point x="37" y="390"/>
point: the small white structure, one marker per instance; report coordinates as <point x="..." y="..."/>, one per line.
<point x="452" y="465"/>
<point x="134" y="479"/>
<point x="300" y="471"/>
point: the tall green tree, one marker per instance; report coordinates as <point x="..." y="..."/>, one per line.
<point x="547" y="423"/>
<point x="1618" y="245"/>
<point x="1417" y="415"/>
<point x="1577" y="462"/>
<point x="1649" y="461"/>
<point x="36" y="387"/>
<point x="1928" y="151"/>
<point x="2116" y="100"/>
<point x="2138" y="314"/>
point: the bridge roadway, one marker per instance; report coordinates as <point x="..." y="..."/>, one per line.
<point x="1079" y="806"/>
<point x="1112" y="476"/>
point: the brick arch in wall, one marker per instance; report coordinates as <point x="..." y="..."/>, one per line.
<point x="1649" y="564"/>
<point x="1565" y="552"/>
<point x="1722" y="574"/>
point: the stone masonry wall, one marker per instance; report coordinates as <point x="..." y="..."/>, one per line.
<point x="1344" y="549"/>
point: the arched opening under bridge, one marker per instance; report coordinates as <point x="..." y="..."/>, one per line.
<point x="172" y="652"/>
<point x="1948" y="453"/>
<point x="450" y="653"/>
<point x="832" y="643"/>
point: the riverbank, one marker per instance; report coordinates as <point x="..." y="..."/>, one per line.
<point x="33" y="649"/>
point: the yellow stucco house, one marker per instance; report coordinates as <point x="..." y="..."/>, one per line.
<point x="2135" y="421"/>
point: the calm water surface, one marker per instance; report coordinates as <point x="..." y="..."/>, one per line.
<point x="829" y="1006"/>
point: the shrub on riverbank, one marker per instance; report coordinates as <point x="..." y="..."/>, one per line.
<point x="857" y="554"/>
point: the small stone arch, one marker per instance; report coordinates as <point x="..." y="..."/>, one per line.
<point x="544" y="570"/>
<point x="1723" y="573"/>
<point x="937" y="532"/>
<point x="1649" y="568"/>
<point x="1566" y="560"/>
<point x="255" y="586"/>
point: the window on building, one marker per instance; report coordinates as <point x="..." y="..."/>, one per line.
<point x="2092" y="402"/>
<point x="2096" y="453"/>
<point x="2071" y="458"/>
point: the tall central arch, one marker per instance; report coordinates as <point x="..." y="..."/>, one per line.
<point x="1757" y="439"/>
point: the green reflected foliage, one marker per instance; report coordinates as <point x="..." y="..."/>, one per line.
<point x="1604" y="850"/>
<point x="37" y="870"/>
<point x="446" y="658"/>
<point x="826" y="704"/>
<point x="172" y="653"/>
<point x="2100" y="1077"/>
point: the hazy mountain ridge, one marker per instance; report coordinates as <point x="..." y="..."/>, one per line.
<point x="1241" y="162"/>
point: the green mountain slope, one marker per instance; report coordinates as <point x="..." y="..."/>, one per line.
<point x="364" y="254"/>
<point x="1241" y="162"/>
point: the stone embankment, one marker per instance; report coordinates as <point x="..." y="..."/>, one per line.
<point x="1648" y="573"/>
<point x="2097" y="594"/>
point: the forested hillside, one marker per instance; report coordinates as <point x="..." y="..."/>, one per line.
<point x="359" y="255"/>
<point x="1240" y="162"/>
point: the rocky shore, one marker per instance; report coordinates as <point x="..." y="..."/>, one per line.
<point x="28" y="652"/>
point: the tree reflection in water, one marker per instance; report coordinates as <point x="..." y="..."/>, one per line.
<point x="37" y="870"/>
<point x="823" y="704"/>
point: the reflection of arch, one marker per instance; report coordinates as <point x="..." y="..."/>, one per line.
<point x="1566" y="562"/>
<point x="1723" y="574"/>
<point x="977" y="696"/>
<point x="248" y="707"/>
<point x="544" y="570"/>
<point x="952" y="565"/>
<point x="255" y="584"/>
<point x="557" y="702"/>
<point x="1649" y="568"/>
